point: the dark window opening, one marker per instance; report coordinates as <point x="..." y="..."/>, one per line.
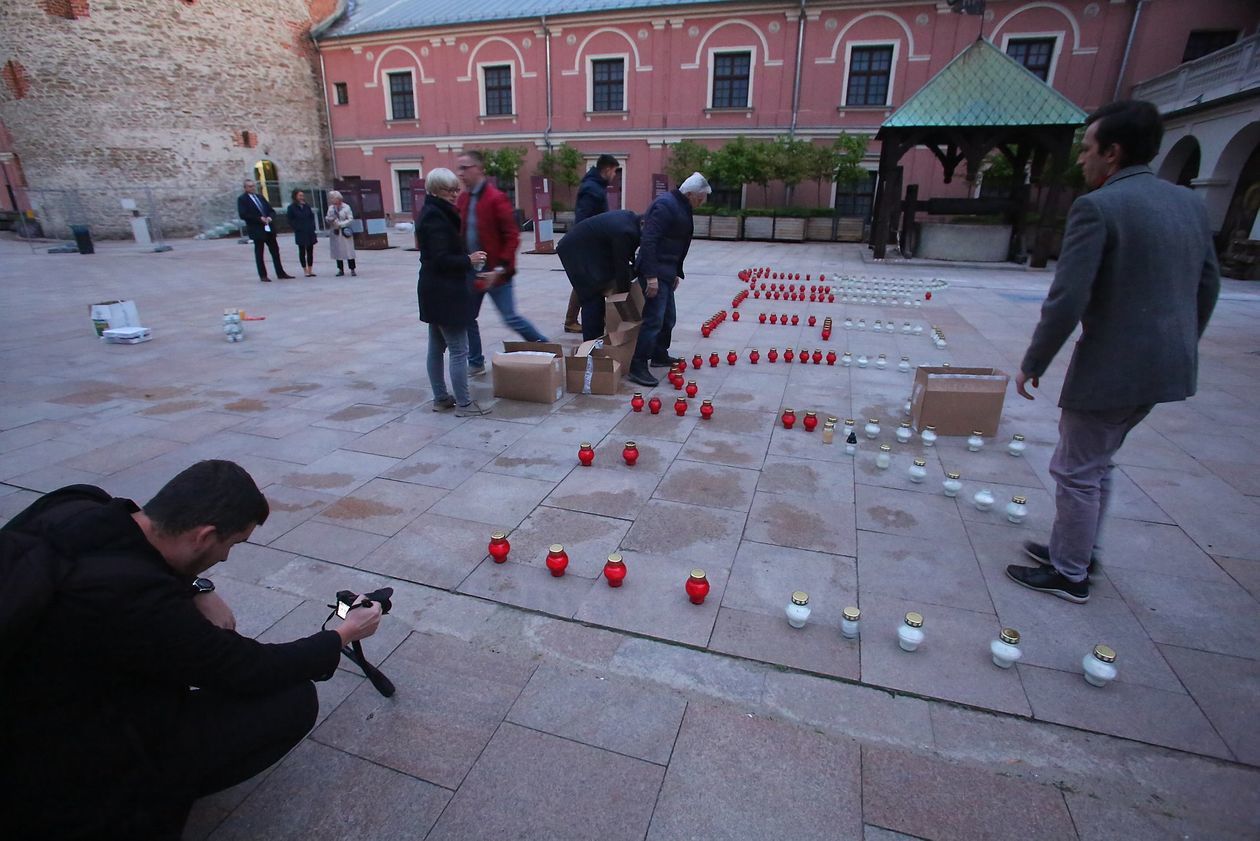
<point x="405" y="177"/>
<point x="402" y="102"/>
<point x="341" y="93"/>
<point x="856" y="199"/>
<point x="498" y="90"/>
<point x="1034" y="53"/>
<point x="1205" y="41"/>
<point x="731" y="75"/>
<point x="870" y="69"/>
<point x="608" y="89"/>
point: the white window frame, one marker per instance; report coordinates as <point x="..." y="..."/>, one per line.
<point x="1058" y="37"/>
<point x="389" y="99"/>
<point x="396" y="167"/>
<point x="892" y="70"/>
<point x="481" y="87"/>
<point x="625" y="82"/>
<point x="752" y="75"/>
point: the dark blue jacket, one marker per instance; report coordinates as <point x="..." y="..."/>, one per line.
<point x="599" y="253"/>
<point x="667" y="230"/>
<point x="445" y="286"/>
<point x="302" y="220"/>
<point x="592" y="196"/>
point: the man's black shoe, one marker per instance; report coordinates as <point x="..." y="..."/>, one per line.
<point x="264" y="280"/>
<point x="1049" y="581"/>
<point x="285" y="276"/>
<point x="1040" y="553"/>
<point x="665" y="361"/>
<point x="640" y="375"/>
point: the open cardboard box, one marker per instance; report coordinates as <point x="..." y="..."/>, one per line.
<point x="958" y="400"/>
<point x="592" y="369"/>
<point x="620" y="334"/>
<point x="629" y="305"/>
<point x="529" y="371"/>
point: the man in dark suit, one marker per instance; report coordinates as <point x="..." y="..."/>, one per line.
<point x="1138" y="272"/>
<point x="592" y="200"/>
<point x="598" y="256"/>
<point x="257" y="215"/>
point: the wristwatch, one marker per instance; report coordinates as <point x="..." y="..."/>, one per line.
<point x="202" y="585"/>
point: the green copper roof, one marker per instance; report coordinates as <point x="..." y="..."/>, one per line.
<point x="983" y="86"/>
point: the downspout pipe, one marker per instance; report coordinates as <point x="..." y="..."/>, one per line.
<point x="796" y="81"/>
<point x="323" y="90"/>
<point x="547" y="51"/>
<point x="1128" y="48"/>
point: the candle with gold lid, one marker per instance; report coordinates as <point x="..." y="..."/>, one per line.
<point x="1099" y="665"/>
<point x="1017" y="509"/>
<point x="1017" y="446"/>
<point x="1005" y="649"/>
<point x="849" y="623"/>
<point x="951" y="485"/>
<point x="798" y="609"/>
<point x="918" y="471"/>
<point x="884" y="459"/>
<point x="910" y="633"/>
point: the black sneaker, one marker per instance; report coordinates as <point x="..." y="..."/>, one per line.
<point x="1040" y="553"/>
<point x="665" y="361"/>
<point x="1049" y="581"/>
<point x="640" y="375"/>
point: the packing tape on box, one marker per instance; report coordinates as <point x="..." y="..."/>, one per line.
<point x="590" y="367"/>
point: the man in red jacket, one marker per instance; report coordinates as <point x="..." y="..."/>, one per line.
<point x="488" y="223"/>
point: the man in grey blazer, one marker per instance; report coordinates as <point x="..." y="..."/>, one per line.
<point x="1138" y="272"/>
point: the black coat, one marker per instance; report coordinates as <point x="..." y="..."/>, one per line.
<point x="599" y="253"/>
<point x="101" y="680"/>
<point x="667" y="230"/>
<point x="445" y="286"/>
<point x="592" y="196"/>
<point x="249" y="213"/>
<point x="302" y="220"/>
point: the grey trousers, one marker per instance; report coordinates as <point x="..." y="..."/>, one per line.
<point x="1081" y="467"/>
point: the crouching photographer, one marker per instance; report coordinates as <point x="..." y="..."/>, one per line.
<point x="125" y="692"/>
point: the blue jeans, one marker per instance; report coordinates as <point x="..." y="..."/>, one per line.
<point x="502" y="297"/>
<point x="454" y="339"/>
<point x="657" y="330"/>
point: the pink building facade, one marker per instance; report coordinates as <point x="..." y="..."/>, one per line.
<point x="406" y="93"/>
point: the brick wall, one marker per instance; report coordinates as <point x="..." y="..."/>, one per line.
<point x="181" y="97"/>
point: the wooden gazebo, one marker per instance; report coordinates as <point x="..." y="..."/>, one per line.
<point x="981" y="101"/>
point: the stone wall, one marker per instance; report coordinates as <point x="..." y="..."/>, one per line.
<point x="179" y="96"/>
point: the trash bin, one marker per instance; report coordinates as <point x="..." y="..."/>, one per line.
<point x="83" y="239"/>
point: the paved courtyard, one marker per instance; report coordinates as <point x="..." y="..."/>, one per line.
<point x="545" y="708"/>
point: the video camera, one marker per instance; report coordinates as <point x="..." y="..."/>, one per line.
<point x="354" y="651"/>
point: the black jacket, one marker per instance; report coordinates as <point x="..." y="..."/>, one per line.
<point x="599" y="253"/>
<point x="249" y="213"/>
<point x="592" y="196"/>
<point x="445" y="286"/>
<point x="667" y="230"/>
<point x="302" y="220"/>
<point x="93" y="698"/>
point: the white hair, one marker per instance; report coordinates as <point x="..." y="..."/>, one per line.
<point x="333" y="195"/>
<point x="695" y="183"/>
<point x="440" y="179"/>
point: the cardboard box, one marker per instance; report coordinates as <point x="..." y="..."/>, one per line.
<point x="127" y="335"/>
<point x="529" y="371"/>
<point x="629" y="305"/>
<point x="958" y="400"/>
<point x="110" y="314"/>
<point x="621" y="334"/>
<point x="592" y="370"/>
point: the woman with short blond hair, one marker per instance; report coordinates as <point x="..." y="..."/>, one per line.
<point x="445" y="292"/>
<point x="340" y="219"/>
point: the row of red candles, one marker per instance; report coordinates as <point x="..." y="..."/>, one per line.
<point x="696" y="587"/>
<point x="749" y="275"/>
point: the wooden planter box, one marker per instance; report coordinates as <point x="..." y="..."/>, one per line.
<point x="725" y="227"/>
<point x="818" y="229"/>
<point x="700" y="225"/>
<point x="758" y="227"/>
<point x="850" y="229"/>
<point x="789" y="229"/>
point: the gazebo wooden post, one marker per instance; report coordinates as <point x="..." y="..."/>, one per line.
<point x="1019" y="204"/>
<point x="884" y="202"/>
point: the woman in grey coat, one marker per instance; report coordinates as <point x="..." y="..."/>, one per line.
<point x="340" y="233"/>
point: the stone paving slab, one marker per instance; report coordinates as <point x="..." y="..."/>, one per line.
<point x="704" y="796"/>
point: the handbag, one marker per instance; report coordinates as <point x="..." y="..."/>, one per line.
<point x="346" y="232"/>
